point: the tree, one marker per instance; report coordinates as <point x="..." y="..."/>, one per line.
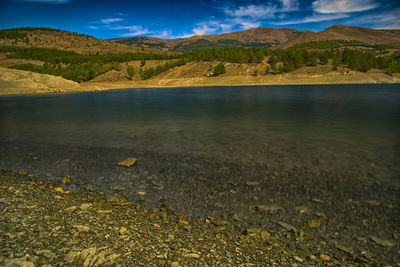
<point x="219" y="69"/>
<point x="130" y="71"/>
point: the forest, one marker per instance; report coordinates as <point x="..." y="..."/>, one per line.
<point x="84" y="67"/>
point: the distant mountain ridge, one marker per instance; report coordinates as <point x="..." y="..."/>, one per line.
<point x="267" y="37"/>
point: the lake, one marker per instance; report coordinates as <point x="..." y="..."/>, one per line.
<point x="254" y="154"/>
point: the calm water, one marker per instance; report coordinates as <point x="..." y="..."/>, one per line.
<point x="347" y="127"/>
<point x="198" y="147"/>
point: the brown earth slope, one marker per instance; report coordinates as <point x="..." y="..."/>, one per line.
<point x="348" y="33"/>
<point x="80" y="43"/>
<point x="254" y="37"/>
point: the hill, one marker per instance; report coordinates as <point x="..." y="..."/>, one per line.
<point x="348" y="33"/>
<point x="258" y="37"/>
<point x="64" y="40"/>
<point x="268" y="37"/>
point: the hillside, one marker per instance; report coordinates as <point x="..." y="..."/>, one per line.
<point x="258" y="37"/>
<point x="52" y="38"/>
<point x="267" y="37"/>
<point x="348" y="33"/>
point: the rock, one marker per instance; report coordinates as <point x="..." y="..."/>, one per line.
<point x="175" y="264"/>
<point x="127" y="162"/>
<point x="344" y="249"/>
<point x="85" y="206"/>
<point x="250" y="183"/>
<point x="302" y="209"/>
<point x="17" y="263"/>
<point x="382" y="242"/>
<point x="368" y="256"/>
<point x="67" y="180"/>
<point x="46" y="253"/>
<point x="123" y="230"/>
<point x="324" y="257"/>
<point x="82" y="228"/>
<point x="269" y="208"/>
<point x="312" y="224"/>
<point x="72" y="256"/>
<point x="71" y="209"/>
<point x="317" y="200"/>
<point x="111" y="258"/>
<point x="287" y="226"/>
<point x="192" y="256"/>
<point x="298" y="259"/>
<point x="116" y="188"/>
<point x="104" y="212"/>
<point x="220" y="223"/>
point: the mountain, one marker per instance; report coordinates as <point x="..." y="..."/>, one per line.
<point x="348" y="33"/>
<point x="53" y="38"/>
<point x="258" y="37"/>
<point x="268" y="37"/>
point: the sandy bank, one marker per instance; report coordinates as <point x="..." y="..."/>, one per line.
<point x="16" y="82"/>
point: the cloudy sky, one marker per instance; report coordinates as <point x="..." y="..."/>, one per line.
<point x="184" y="18"/>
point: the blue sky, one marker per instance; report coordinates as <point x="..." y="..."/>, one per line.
<point x="180" y="18"/>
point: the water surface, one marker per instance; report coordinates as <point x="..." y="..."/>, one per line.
<point x="198" y="148"/>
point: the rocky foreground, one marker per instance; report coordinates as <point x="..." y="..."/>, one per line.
<point x="42" y="224"/>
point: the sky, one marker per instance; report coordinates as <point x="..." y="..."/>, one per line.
<point x="181" y="19"/>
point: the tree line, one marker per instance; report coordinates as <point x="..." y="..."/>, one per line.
<point x="82" y="67"/>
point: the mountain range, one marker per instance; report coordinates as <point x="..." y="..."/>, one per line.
<point x="267" y="37"/>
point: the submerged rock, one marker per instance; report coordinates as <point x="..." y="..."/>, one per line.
<point x="382" y="242"/>
<point x="127" y="162"/>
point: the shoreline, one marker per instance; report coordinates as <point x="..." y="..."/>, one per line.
<point x="44" y="223"/>
<point x="16" y="82"/>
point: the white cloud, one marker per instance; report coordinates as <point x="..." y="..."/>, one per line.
<point x="386" y="20"/>
<point x="45" y="1"/>
<point x="252" y="11"/>
<point x="313" y="18"/>
<point x="134" y="30"/>
<point x="342" y="6"/>
<point x="108" y="21"/>
<point x="289" y="5"/>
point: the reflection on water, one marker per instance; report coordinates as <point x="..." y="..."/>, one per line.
<point x="348" y="127"/>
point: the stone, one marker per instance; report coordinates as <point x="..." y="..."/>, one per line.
<point x="302" y="209"/>
<point x="220" y="223"/>
<point x="127" y="162"/>
<point x="344" y="249"/>
<point x="192" y="256"/>
<point x="123" y="230"/>
<point x="287" y="226"/>
<point x="72" y="256"/>
<point x="85" y="206"/>
<point x="111" y="258"/>
<point x="175" y="264"/>
<point x="82" y="228"/>
<point x="298" y="259"/>
<point x="71" y="209"/>
<point x="104" y="212"/>
<point x="251" y="183"/>
<point x="17" y="263"/>
<point x="317" y="200"/>
<point x="324" y="257"/>
<point x="382" y="242"/>
<point x="116" y="188"/>
<point x="312" y="224"/>
<point x="66" y="180"/>
<point x="46" y="253"/>
<point x="269" y="208"/>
